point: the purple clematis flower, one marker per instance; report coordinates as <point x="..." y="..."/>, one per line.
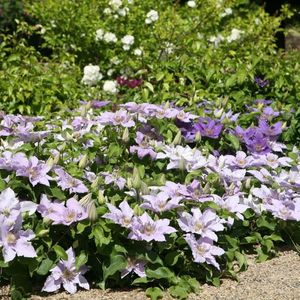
<point x="272" y="131"/>
<point x="10" y="207"/>
<point x="123" y="216"/>
<point x="145" y="146"/>
<point x="146" y="229"/>
<point x="208" y="127"/>
<point x="114" y="178"/>
<point x="15" y="241"/>
<point x="203" y="250"/>
<point x="260" y="82"/>
<point x="71" y="213"/>
<point x="120" y="117"/>
<point x="35" y="170"/>
<point x="268" y="113"/>
<point x="160" y="202"/>
<point x="66" y="181"/>
<point x="134" y="265"/>
<point x="49" y="209"/>
<point x="66" y="274"/>
<point x="205" y="223"/>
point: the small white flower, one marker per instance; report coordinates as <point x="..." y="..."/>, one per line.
<point x="191" y="4"/>
<point x="169" y="48"/>
<point x="115" y="60"/>
<point x="235" y="35"/>
<point x="110" y="86"/>
<point x="115" y="4"/>
<point x="152" y="16"/>
<point x="216" y="39"/>
<point x="227" y="12"/>
<point x="123" y="11"/>
<point x="127" y="41"/>
<point x="257" y="21"/>
<point x="107" y="11"/>
<point x="99" y="35"/>
<point x="110" y="72"/>
<point x="138" y="52"/>
<point x="91" y="75"/>
<point x="110" y="37"/>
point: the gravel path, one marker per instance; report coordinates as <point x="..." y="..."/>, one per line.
<point x="276" y="279"/>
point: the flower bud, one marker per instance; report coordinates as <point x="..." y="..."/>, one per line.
<point x="42" y="232"/>
<point x="95" y="183"/>
<point x="248" y="183"/>
<point x="129" y="182"/>
<point x="83" y="161"/>
<point x="218" y="113"/>
<point x="144" y="189"/>
<point x="177" y="139"/>
<point x="50" y="162"/>
<point x="86" y="200"/>
<point x="137" y="210"/>
<point x="101" y="197"/>
<point x="125" y="136"/>
<point x="198" y="137"/>
<point x="75" y="244"/>
<point x="136" y="179"/>
<point x="283" y="126"/>
<point x="56" y="158"/>
<point x="92" y="211"/>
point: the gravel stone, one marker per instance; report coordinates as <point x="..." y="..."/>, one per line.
<point x="275" y="279"/>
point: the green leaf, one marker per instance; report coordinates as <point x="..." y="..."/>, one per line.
<point x="159" y="273"/>
<point x="172" y="257"/>
<point x="45" y="266"/>
<point x="179" y="292"/>
<point x="263" y="222"/>
<point x="234" y="141"/>
<point x="58" y="193"/>
<point x="81" y="260"/>
<point x="154" y="293"/>
<point x="117" y="263"/>
<point x="60" y="252"/>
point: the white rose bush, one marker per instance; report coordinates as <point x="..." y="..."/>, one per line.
<point x="164" y="150"/>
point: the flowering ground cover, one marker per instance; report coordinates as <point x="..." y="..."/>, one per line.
<point x="171" y="151"/>
<point x="143" y="195"/>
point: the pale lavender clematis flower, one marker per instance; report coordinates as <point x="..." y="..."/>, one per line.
<point x="145" y="146"/>
<point x="273" y="161"/>
<point x="6" y="161"/>
<point x="284" y="210"/>
<point x="120" y="117"/>
<point x="160" y="202"/>
<point x="146" y="229"/>
<point x="71" y="213"/>
<point x="233" y="175"/>
<point x="240" y="160"/>
<point x="195" y="192"/>
<point x="49" y="209"/>
<point x="35" y="170"/>
<point x="263" y="175"/>
<point x="174" y="190"/>
<point x="205" y="223"/>
<point x="15" y="241"/>
<point x="114" y="178"/>
<point x="10" y="207"/>
<point x="136" y="266"/>
<point x="265" y="194"/>
<point x="233" y="204"/>
<point x="66" y="274"/>
<point x="182" y="158"/>
<point x="123" y="216"/>
<point x="203" y="250"/>
<point x="66" y="181"/>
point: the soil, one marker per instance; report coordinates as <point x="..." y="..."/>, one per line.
<point x="276" y="279"/>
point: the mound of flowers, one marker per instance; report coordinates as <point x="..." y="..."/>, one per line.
<point x="143" y="195"/>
